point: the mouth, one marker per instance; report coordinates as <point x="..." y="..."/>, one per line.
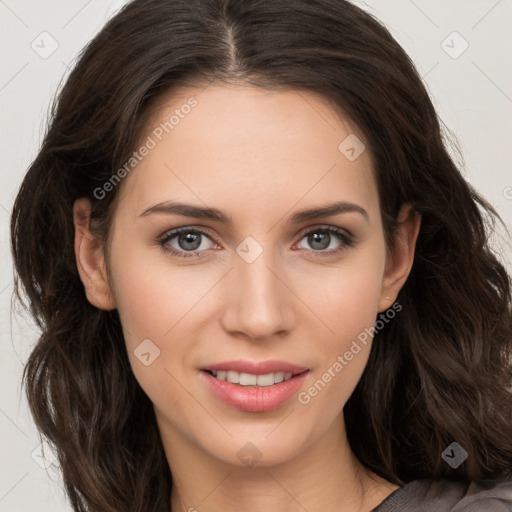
<point x="254" y="386"/>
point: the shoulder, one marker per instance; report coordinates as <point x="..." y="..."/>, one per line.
<point x="450" y="496"/>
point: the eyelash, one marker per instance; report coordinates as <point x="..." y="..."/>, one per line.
<point x="347" y="239"/>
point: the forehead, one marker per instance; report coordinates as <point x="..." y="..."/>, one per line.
<point x="251" y="148"/>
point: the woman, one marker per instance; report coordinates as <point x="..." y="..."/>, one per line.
<point x="262" y="282"/>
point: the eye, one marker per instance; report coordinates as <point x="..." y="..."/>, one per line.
<point x="322" y="238"/>
<point x="187" y="240"/>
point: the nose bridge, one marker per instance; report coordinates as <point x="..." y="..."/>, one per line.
<point x="260" y="304"/>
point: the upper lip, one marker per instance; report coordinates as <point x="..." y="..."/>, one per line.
<point x="256" y="367"/>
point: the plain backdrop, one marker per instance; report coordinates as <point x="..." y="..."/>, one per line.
<point x="461" y="48"/>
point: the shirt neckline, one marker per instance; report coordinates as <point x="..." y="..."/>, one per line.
<point x="395" y="498"/>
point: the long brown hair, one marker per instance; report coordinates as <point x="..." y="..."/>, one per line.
<point x="440" y="372"/>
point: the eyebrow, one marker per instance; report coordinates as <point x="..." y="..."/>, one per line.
<point x="200" y="212"/>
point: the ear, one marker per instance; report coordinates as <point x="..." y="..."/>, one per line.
<point x="400" y="255"/>
<point x="90" y="258"/>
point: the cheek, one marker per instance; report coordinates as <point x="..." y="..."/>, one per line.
<point x="349" y="308"/>
<point x="149" y="303"/>
<point x="348" y="300"/>
<point x="154" y="296"/>
<point x="161" y="302"/>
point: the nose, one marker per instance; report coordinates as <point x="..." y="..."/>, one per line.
<point x="260" y="304"/>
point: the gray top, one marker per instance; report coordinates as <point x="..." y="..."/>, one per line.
<point x="448" y="496"/>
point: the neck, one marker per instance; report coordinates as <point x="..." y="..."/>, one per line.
<point x="323" y="476"/>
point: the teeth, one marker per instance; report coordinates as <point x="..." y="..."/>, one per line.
<point x="278" y="377"/>
<point x="233" y="377"/>
<point x="266" y="380"/>
<point x="247" y="379"/>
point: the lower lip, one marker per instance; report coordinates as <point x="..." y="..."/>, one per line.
<point x="253" y="398"/>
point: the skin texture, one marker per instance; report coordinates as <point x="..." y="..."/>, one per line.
<point x="259" y="156"/>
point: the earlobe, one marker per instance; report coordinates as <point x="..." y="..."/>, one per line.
<point x="90" y="258"/>
<point x="401" y="255"/>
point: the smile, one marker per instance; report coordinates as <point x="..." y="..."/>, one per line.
<point x="253" y="393"/>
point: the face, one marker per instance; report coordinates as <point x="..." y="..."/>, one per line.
<point x="242" y="282"/>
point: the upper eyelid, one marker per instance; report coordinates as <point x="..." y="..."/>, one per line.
<point x="170" y="233"/>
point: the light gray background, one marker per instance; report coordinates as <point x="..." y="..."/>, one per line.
<point x="471" y="92"/>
